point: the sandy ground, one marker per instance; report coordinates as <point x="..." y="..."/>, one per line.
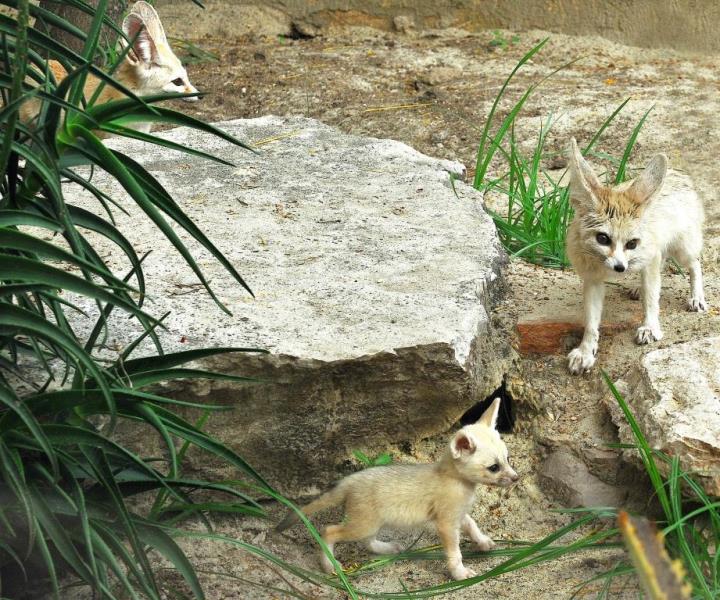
<point x="433" y="91"/>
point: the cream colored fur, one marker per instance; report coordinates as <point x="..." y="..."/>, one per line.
<point x="410" y="495"/>
<point x="150" y="66"/>
<point x="643" y="221"/>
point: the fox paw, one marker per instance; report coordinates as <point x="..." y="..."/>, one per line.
<point x="462" y="572"/>
<point x="634" y="293"/>
<point x="580" y="361"/>
<point x="697" y="304"/>
<point x="484" y="543"/>
<point x="648" y="333"/>
<point x="379" y="547"/>
<point x="327" y="566"/>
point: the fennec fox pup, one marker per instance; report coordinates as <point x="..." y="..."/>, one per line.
<point x="410" y="495"/>
<point x="631" y="228"/>
<point x="150" y="66"/>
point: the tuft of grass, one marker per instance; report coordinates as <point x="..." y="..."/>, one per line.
<point x="537" y="214"/>
<point x="377" y="461"/>
<point x="499" y="40"/>
<point x="534" y="223"/>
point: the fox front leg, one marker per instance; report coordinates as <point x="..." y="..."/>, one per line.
<point x="450" y="538"/>
<point x="483" y="542"/>
<point x="697" y="295"/>
<point x="582" y="358"/>
<point x="650" y="330"/>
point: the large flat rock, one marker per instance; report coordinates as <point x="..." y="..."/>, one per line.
<point x="373" y="280"/>
<point x="675" y="396"/>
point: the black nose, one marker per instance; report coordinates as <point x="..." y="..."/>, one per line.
<point x="619" y="268"/>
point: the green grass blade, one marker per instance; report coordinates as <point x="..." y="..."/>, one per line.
<point x="483" y="151"/>
<point x="598" y="134"/>
<point x="174" y="359"/>
<point x="164" y="544"/>
<point x="646" y="453"/>
<point x="622" y="168"/>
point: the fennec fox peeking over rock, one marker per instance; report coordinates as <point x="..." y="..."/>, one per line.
<point x="410" y="495"/>
<point x="150" y="66"/>
<point x="631" y="228"/>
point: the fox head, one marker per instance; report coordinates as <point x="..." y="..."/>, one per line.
<point x="479" y="455"/>
<point x="611" y="217"/>
<point x="154" y="65"/>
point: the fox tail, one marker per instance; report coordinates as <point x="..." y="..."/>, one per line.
<point x="334" y="497"/>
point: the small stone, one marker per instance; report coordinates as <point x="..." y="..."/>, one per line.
<point x="259" y="538"/>
<point x="440" y="75"/>
<point x="403" y="24"/>
<point x="303" y="29"/>
<point x="567" y="478"/>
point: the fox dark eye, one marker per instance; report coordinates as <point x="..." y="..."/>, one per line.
<point x="632" y="244"/>
<point x="178" y="82"/>
<point x="494" y="468"/>
<point x="603" y="239"/>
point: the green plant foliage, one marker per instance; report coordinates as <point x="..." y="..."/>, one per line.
<point x="68" y="488"/>
<point x="499" y="40"/>
<point x="380" y="460"/>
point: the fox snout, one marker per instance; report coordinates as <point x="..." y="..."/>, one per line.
<point x="617" y="260"/>
<point x="509" y="477"/>
<point x="191" y="89"/>
<point x="616" y="264"/>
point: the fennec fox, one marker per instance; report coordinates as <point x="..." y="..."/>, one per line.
<point x="150" y="66"/>
<point x="631" y="228"/>
<point x="409" y="495"/>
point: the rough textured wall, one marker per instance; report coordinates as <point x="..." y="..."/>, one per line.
<point x="681" y="24"/>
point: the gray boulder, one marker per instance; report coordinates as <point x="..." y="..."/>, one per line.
<point x="675" y="396"/>
<point x="373" y="282"/>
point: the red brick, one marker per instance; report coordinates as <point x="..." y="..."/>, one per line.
<point x="547" y="336"/>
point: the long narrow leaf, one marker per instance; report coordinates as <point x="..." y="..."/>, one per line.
<point x="17" y="318"/>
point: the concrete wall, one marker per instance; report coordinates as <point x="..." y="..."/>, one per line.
<point x="690" y="25"/>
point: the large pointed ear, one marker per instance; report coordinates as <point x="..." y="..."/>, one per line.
<point x="584" y="184"/>
<point x="462" y="444"/>
<point x="143" y="47"/>
<point x="649" y="182"/>
<point x="490" y="416"/>
<point x="152" y="21"/>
